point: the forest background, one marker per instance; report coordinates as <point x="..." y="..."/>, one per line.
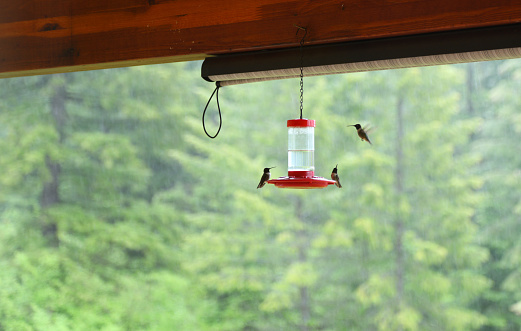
<point x="118" y="213"/>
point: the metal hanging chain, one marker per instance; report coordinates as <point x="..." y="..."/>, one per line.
<point x="216" y="92"/>
<point x="302" y="68"/>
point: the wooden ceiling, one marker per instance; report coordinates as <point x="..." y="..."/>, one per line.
<point x="51" y="36"/>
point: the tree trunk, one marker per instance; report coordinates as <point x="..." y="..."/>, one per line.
<point x="469" y="95"/>
<point x="470" y="88"/>
<point x="50" y="192"/>
<point x="398" y="225"/>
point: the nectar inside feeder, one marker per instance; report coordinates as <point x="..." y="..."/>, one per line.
<point x="301" y="158"/>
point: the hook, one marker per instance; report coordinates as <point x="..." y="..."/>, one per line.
<point x="305" y="33"/>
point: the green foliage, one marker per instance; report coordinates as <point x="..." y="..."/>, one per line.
<point x="118" y="213"/>
<point x="498" y="214"/>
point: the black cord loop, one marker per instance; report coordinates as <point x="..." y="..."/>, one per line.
<point x="216" y="92"/>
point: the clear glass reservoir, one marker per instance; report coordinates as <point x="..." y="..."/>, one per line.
<point x="301" y="145"/>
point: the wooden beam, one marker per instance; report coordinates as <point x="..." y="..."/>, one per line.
<point x="51" y="36"/>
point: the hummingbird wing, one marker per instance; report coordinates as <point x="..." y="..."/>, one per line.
<point x="368" y="129"/>
<point x="363" y="135"/>
<point x="263" y="180"/>
<point x="336" y="179"/>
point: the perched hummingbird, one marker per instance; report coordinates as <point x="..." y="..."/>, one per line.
<point x="334" y="176"/>
<point x="361" y="133"/>
<point x="265" y="177"/>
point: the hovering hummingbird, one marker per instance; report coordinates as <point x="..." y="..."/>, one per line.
<point x="361" y="133"/>
<point x="265" y="177"/>
<point x="334" y="176"/>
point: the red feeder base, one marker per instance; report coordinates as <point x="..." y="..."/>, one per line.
<point x="301" y="182"/>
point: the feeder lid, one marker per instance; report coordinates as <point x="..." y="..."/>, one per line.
<point x="301" y="123"/>
<point x="301" y="182"/>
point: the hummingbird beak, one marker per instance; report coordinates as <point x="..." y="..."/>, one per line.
<point x="336" y="165"/>
<point x="273" y="167"/>
<point x="350" y="125"/>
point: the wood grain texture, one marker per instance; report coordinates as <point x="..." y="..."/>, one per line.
<point x="46" y="36"/>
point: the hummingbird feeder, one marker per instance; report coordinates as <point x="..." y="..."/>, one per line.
<point x="301" y="158"/>
<point x="301" y="147"/>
